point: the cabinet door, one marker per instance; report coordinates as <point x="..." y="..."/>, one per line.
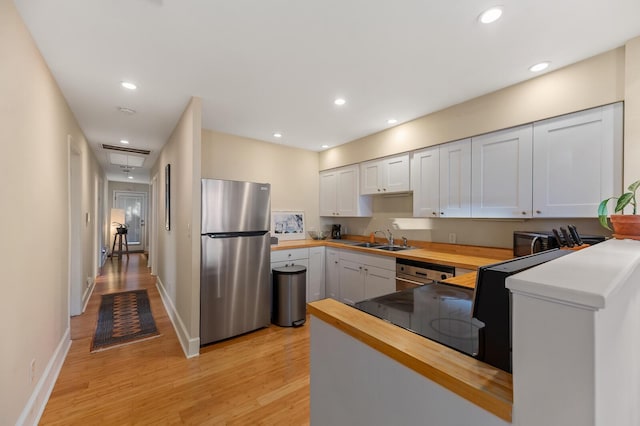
<point x="502" y="173"/>
<point x="577" y="162"/>
<point x="370" y="177"/>
<point x="347" y="192"/>
<point x="328" y="185"/>
<point x="378" y="281"/>
<point x="396" y="174"/>
<point x="351" y="282"/>
<point x="332" y="274"/>
<point x="315" y="274"/>
<point x="425" y="182"/>
<point x="455" y="179"/>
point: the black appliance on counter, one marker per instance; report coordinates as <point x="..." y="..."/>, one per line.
<point x="336" y="233"/>
<point x="492" y="306"/>
<point x="526" y="243"/>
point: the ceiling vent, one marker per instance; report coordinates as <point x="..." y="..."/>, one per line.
<point x="126" y="149"/>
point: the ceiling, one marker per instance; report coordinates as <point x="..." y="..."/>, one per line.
<point x="262" y="67"/>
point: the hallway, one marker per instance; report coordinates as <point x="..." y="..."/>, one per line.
<point x="259" y="378"/>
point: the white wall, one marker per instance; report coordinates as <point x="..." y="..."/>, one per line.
<point x="35" y="123"/>
<point x="179" y="248"/>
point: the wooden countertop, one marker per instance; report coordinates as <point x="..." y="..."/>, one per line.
<point x="464" y="280"/>
<point x="477" y="382"/>
<point x="459" y="256"/>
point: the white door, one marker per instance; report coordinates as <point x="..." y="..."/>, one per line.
<point x="396" y="174"/>
<point x="328" y="185"/>
<point x="378" y="281"/>
<point x="455" y="179"/>
<point x="425" y="182"/>
<point x="351" y="282"/>
<point x="347" y="191"/>
<point x="501" y="173"/>
<point x="577" y="162"/>
<point x="134" y="205"/>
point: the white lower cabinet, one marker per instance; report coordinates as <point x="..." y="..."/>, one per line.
<point x="332" y="273"/>
<point x="315" y="274"/>
<point x="364" y="276"/>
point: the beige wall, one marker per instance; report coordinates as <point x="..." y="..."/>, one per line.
<point x="292" y="173"/>
<point x="178" y="256"/>
<point x="606" y="78"/>
<point x="595" y="81"/>
<point x="35" y="125"/>
<point x="632" y="112"/>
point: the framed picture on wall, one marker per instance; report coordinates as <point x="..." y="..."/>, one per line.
<point x="287" y="225"/>
<point x="167" y="197"/>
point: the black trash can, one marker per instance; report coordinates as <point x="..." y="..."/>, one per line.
<point x="289" y="296"/>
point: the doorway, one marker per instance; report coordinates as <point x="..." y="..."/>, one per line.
<point x="134" y="205"/>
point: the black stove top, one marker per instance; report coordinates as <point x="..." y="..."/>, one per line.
<point x="437" y="311"/>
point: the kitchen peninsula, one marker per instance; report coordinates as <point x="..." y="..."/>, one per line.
<point x="575" y="347"/>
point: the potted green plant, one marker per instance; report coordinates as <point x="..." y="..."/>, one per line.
<point x="624" y="226"/>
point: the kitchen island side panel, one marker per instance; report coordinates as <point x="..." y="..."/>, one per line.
<point x="352" y="383"/>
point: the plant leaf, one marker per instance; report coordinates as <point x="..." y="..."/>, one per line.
<point x="603" y="213"/>
<point x="634" y="186"/>
<point x="623" y="201"/>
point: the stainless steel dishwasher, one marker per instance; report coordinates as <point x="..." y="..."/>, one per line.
<point x="413" y="273"/>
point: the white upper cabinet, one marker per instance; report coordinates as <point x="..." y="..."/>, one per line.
<point x="385" y="175"/>
<point x="339" y="193"/>
<point x="577" y="162"/>
<point x="501" y="173"/>
<point x="455" y="179"/>
<point x="425" y="182"/>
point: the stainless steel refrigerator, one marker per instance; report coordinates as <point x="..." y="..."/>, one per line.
<point x="235" y="257"/>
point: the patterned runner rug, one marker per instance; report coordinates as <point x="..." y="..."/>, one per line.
<point x="123" y="318"/>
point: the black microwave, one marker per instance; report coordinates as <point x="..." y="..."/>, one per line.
<point x="529" y="242"/>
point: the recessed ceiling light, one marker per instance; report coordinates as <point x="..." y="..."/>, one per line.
<point x="325" y="146"/>
<point x="277" y="135"/>
<point x="490" y="15"/>
<point x="126" y="110"/>
<point x="539" y="67"/>
<point x="392" y="121"/>
<point x="123" y="141"/>
<point x="130" y="177"/>
<point x="128" y="85"/>
<point x="340" y="101"/>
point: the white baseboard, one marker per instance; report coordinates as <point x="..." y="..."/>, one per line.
<point x="190" y="346"/>
<point x="32" y="412"/>
<point x="88" y="294"/>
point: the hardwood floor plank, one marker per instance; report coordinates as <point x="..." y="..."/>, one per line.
<point x="258" y="378"/>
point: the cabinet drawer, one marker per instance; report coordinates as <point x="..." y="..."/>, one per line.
<point x="293" y="254"/>
<point x="384" y="262"/>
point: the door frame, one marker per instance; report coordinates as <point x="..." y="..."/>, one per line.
<point x="143" y="218"/>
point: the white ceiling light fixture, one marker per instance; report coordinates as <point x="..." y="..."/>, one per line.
<point x="392" y="121"/>
<point x="130" y="177"/>
<point x="126" y="110"/>
<point x="340" y="101"/>
<point x="124" y="141"/>
<point x="490" y="15"/>
<point x="539" y="66"/>
<point x="128" y="85"/>
<point x="325" y="146"/>
<point x="277" y="135"/>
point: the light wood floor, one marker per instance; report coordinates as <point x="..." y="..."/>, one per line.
<point x="259" y="378"/>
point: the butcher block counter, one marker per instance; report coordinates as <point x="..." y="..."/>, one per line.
<point x="459" y="256"/>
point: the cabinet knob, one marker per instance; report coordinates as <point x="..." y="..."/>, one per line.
<point x="366" y="270"/>
<point x="378" y="189"/>
<point x="434" y="213"/>
<point x="384" y="189"/>
<point x="538" y="211"/>
<point x="441" y="213"/>
<point x="335" y="261"/>
<point x="524" y="213"/>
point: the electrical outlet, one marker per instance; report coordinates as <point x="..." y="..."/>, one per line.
<point x="32" y="371"/>
<point x="452" y="237"/>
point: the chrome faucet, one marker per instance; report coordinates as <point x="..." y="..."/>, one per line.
<point x="388" y="237"/>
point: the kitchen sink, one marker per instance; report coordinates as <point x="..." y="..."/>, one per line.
<point x="368" y="245"/>
<point x="394" y="248"/>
